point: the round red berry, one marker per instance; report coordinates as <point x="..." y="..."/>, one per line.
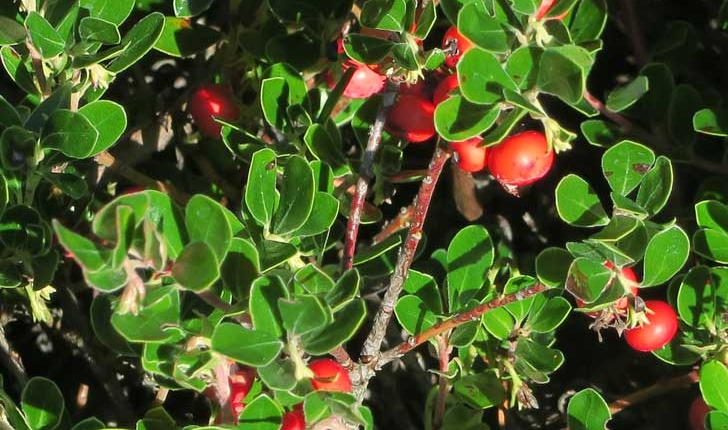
<point x="411" y="118"/>
<point x="364" y="82"/>
<point x="212" y="100"/>
<point x="657" y="332"/>
<point x="444" y="88"/>
<point x="698" y="410"/>
<point x="329" y="376"/>
<point x="521" y="159"/>
<point x="455" y="45"/>
<point x="293" y="420"/>
<point x="469" y="155"/>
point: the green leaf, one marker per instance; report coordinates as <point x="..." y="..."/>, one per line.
<point x="481" y="390"/>
<point x="273" y="254"/>
<point x="587" y="279"/>
<point x="522" y="65"/>
<point x="18" y="70"/>
<point x="562" y="72"/>
<point x="71" y="133"/>
<point x="538" y="357"/>
<point x="86" y="253"/>
<point x="116" y="11"/>
<point x="261" y="414"/>
<point x="183" y="38"/>
<point x="59" y="99"/>
<point x="89" y="424"/>
<point x="207" y="222"/>
<point x="11" y="32"/>
<point x="8" y="114"/>
<point x="98" y="30"/>
<point x="138" y="41"/>
<point x="413" y="314"/>
<point x="159" y="311"/>
<point x="345" y="325"/>
<point x="469" y="257"/>
<point x="711" y="244"/>
<point x="100" y="318"/>
<point x="589" y="20"/>
<point x="273" y="95"/>
<point x="45" y="38"/>
<point x="712" y="214"/>
<point x="197" y="267"/>
<point x="240" y="267"/>
<point x="263" y="304"/>
<point x="600" y="133"/>
<point x="425" y="287"/>
<point x="323" y="215"/>
<point x="456" y="119"/>
<point x="549" y="316"/>
<point x="484" y="31"/>
<point x="298" y="49"/>
<point x="261" y="196"/>
<point x="251" y="347"/>
<point x="552" y="266"/>
<point x="578" y="204"/>
<point x="625" y="165"/>
<point x="499" y="322"/>
<point x="324" y="142"/>
<point x="713" y="122"/>
<point x="366" y="49"/>
<point x="313" y="280"/>
<point x="42" y="403"/>
<point x="713" y="377"/>
<point x="384" y="14"/>
<point x="684" y="104"/>
<point x="109" y="120"/>
<point x="297" y="195"/>
<point x="656" y="186"/>
<point x="482" y="77"/>
<point x="624" y="97"/>
<point x="587" y="410"/>
<point x="665" y="255"/>
<point x="304" y="314"/>
<point x="190" y="8"/>
<point x="654" y="105"/>
<point x="696" y="299"/>
<point x="278" y="375"/>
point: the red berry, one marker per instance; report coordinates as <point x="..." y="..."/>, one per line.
<point x="240" y="384"/>
<point x="657" y="332"/>
<point x="545" y="7"/>
<point x="442" y="92"/>
<point x="455" y="45"/>
<point x="329" y="376"/>
<point x="412" y="118"/>
<point x="469" y="155"/>
<point x="293" y="420"/>
<point x="212" y="100"/>
<point x="698" y="410"/>
<point x="364" y="83"/>
<point x="521" y="159"/>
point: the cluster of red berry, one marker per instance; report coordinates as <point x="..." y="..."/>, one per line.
<point x="328" y="375"/>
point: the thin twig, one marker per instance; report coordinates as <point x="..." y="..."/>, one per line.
<point x="11" y="360"/>
<point x="656" y="389"/>
<point x="457" y="320"/>
<point x="36" y="61"/>
<point x="365" y="176"/>
<point x="443" y="351"/>
<point x="373" y="343"/>
<point x="342" y="357"/>
<point x="400" y="222"/>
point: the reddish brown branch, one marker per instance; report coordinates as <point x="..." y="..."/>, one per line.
<point x="656" y="389"/>
<point x="400" y="222"/>
<point x="457" y="320"/>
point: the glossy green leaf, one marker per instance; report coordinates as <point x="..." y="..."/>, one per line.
<point x="313" y="280"/>
<point x="385" y="14"/>
<point x="263" y="304"/>
<point x="159" y="311"/>
<point x="91" y="423"/>
<point x="522" y="65"/>
<point x="297" y="196"/>
<point x="323" y="214"/>
<point x="261" y="195"/>
<point x="656" y="186"/>
<point x="654" y="104"/>
<point x="578" y="204"/>
<point x="101" y="311"/>
<point x="624" y="97"/>
<point x="562" y="72"/>
<point x="298" y="49"/>
<point x="587" y="410"/>
<point x="625" y="165"/>
<point x="250" y="347"/>
<point x="59" y="99"/>
<point x="345" y="325"/>
<point x="716" y="420"/>
<point x="499" y="322"/>
<point x="712" y="214"/>
<point x="138" y="41"/>
<point x="684" y="104"/>
<point x="485" y="31"/>
<point x="109" y="119"/>
<point x="273" y="254"/>
<point x="600" y="133"/>
<point x="413" y="314"/>
<point x="42" y="403"/>
<point x="45" y="38"/>
<point x="18" y="70"/>
<point x="469" y="257"/>
<point x="713" y="122"/>
<point x="116" y="11"/>
<point x="86" y="253"/>
<point x="324" y="142"/>
<point x="182" y="38"/>
<point x="588" y="21"/>
<point x="456" y="119"/>
<point x="11" y="31"/>
<point x="278" y="375"/>
<point x="711" y="244"/>
<point x="482" y="77"/>
<point x="425" y="287"/>
<point x="207" y="222"/>
<point x="197" y="267"/>
<point x="552" y="266"/>
<point x="665" y="255"/>
<point x="480" y="390"/>
<point x="539" y="357"/>
<point x="696" y="299"/>
<point x="70" y="133"/>
<point x="304" y="314"/>
<point x="190" y="8"/>
<point x="587" y="279"/>
<point x="261" y="414"/>
<point x="713" y="377"/>
<point x="549" y="316"/>
<point x="98" y="30"/>
<point x="366" y="49"/>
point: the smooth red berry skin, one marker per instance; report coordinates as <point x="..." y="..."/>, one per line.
<point x="698" y="410"/>
<point x="469" y="155"/>
<point x="521" y="159"/>
<point x="444" y="88"/>
<point x="293" y="420"/>
<point x="212" y="100"/>
<point x="364" y="83"/>
<point x="658" y="332"/>
<point x="240" y="384"/>
<point x="462" y="45"/>
<point x="411" y="118"/>
<point x="544" y="8"/>
<point x="329" y="376"/>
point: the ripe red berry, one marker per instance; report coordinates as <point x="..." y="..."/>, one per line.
<point x="329" y="376"/>
<point x="469" y="155"/>
<point x="698" y="410"/>
<point x="455" y="45"/>
<point x="521" y="159"/>
<point x="657" y="332"/>
<point x="444" y="88"/>
<point x="212" y="100"/>
<point x="544" y="8"/>
<point x="293" y="420"/>
<point x="412" y="118"/>
<point x="240" y="384"/>
<point x="364" y="83"/>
